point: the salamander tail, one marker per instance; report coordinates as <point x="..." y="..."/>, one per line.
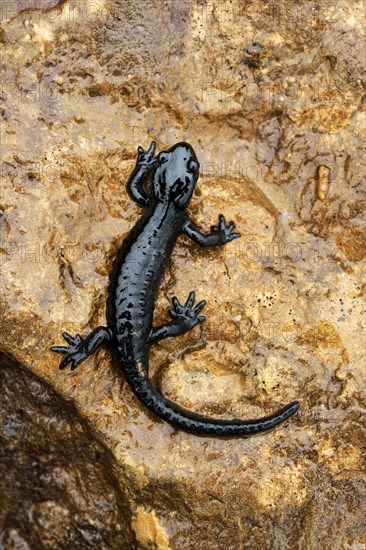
<point x="199" y="424"/>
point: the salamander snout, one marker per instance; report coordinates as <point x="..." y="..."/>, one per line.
<point x="176" y="174"/>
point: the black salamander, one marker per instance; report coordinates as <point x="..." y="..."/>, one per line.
<point x="134" y="280"/>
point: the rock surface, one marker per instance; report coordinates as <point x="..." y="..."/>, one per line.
<point x="270" y="95"/>
<point x="51" y="496"/>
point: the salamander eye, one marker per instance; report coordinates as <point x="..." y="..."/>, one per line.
<point x="163" y="157"/>
<point x="193" y="166"/>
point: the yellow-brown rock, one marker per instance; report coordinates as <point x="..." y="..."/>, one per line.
<point x="270" y="96"/>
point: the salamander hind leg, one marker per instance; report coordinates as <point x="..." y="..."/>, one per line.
<point x="185" y="317"/>
<point x="80" y="349"/>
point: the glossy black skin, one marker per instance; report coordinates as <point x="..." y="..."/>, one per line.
<point x="135" y="277"/>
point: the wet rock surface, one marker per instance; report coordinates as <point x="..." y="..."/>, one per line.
<point x="57" y="485"/>
<point x="270" y="95"/>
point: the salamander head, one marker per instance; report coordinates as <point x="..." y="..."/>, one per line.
<point x="176" y="174"/>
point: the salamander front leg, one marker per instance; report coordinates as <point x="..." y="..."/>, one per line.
<point x="220" y="234"/>
<point x="78" y="349"/>
<point x="184" y="319"/>
<point x="144" y="166"/>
